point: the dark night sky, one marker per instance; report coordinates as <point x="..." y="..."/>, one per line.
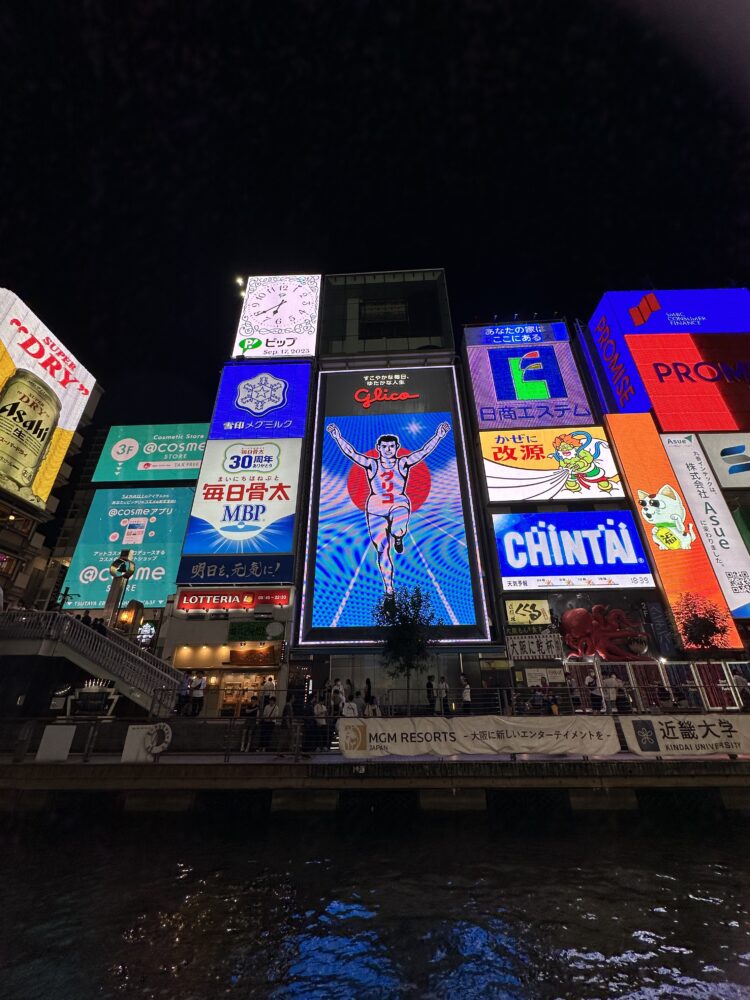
<point x="540" y="151"/>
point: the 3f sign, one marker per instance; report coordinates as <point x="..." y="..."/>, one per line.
<point x="527" y="373"/>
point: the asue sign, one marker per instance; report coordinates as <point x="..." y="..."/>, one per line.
<point x="568" y="551"/>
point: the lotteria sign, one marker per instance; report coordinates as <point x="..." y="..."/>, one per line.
<point x="568" y="551"/>
<point x="685" y="569"/>
<point x="680" y="352"/>
<point x="235" y="599"/>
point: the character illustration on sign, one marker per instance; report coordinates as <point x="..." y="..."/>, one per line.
<point x="666" y="512"/>
<point x="388" y="507"/>
<point x="605" y="632"/>
<point x="583" y="462"/>
<point x="261" y="394"/>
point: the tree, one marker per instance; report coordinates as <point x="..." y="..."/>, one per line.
<point x="408" y="621"/>
<point x="701" y="623"/>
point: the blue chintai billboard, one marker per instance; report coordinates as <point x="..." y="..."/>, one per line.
<point x="390" y="506"/>
<point x="568" y="551"/>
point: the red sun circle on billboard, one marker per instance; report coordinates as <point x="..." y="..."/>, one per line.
<point x="418" y="485"/>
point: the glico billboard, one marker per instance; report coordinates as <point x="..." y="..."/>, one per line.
<point x="43" y="393"/>
<point x="149" y="522"/>
<point x="686" y="572"/>
<point x="525" y="376"/>
<point x="686" y="354"/>
<point x="390" y="506"/>
<point x="151" y="451"/>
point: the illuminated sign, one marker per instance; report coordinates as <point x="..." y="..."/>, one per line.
<point x="696" y="382"/>
<point x="151" y="451"/>
<point x="43" y="393"/>
<point x="515" y="333"/>
<point x="533" y="383"/>
<point x="729" y="454"/>
<point x="551" y="464"/>
<point x="533" y="612"/>
<point x="568" y="551"/>
<point x="245" y="499"/>
<point x="233" y="569"/>
<point x="261" y="400"/>
<point x="236" y="599"/>
<point x="390" y="505"/>
<point x="713" y="520"/>
<point x="279" y="317"/>
<point x="684" y="567"/>
<point x="623" y="320"/>
<point x="149" y="522"/>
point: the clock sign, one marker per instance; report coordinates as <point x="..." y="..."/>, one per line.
<point x="279" y="317"/>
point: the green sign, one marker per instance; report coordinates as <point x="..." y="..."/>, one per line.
<point x="247" y="631"/>
<point x="143" y="452"/>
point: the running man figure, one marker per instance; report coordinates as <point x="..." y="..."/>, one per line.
<point x="388" y="507"/>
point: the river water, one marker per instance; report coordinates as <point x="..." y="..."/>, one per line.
<point x="304" y="908"/>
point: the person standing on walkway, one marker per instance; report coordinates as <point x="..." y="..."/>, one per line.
<point x="337" y="697"/>
<point x="197" y="692"/>
<point x="465" y="694"/>
<point x="430" y="687"/>
<point x="268" y="723"/>
<point x="610" y="685"/>
<point x="349" y="711"/>
<point x="321" y="723"/>
<point x="268" y="688"/>
<point x="183" y="693"/>
<point x="442" y="694"/>
<point x="741" y="686"/>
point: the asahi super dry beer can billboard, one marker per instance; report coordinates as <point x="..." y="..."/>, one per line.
<point x="43" y="393"/>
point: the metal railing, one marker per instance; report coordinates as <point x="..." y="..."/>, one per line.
<point x="124" y="661"/>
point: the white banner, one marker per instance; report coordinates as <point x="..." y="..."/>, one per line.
<point x="713" y="521"/>
<point x="534" y="645"/>
<point x="361" y="739"/>
<point x="686" y="735"/>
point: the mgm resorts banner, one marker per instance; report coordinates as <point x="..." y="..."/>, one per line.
<point x="686" y="736"/>
<point x="390" y="505"/>
<point x="487" y="734"/>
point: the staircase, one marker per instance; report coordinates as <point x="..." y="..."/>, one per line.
<point x="137" y="675"/>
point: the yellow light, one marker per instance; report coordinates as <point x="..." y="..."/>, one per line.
<point x="240" y="281"/>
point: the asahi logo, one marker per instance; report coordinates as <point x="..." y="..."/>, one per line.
<point x="37" y="428"/>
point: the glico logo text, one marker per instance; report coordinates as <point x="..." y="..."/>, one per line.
<point x="366" y="397"/>
<point x="522" y="373"/>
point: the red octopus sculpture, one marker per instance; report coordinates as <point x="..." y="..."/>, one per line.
<point x="603" y="632"/>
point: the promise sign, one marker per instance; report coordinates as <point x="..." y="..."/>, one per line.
<point x="684" y="567"/>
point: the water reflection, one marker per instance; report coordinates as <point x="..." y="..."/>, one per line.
<point x="443" y="912"/>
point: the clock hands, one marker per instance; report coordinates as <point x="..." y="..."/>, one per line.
<point x="275" y="310"/>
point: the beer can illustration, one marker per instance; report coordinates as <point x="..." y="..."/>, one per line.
<point x="29" y="413"/>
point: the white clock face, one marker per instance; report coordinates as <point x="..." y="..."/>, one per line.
<point x="279" y="317"/>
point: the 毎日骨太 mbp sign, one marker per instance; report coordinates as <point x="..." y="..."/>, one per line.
<point x="387" y="509"/>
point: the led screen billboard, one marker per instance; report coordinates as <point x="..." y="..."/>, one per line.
<point x="142" y="452"/>
<point x="279" y="317"/>
<point x="390" y="504"/>
<point x="245" y="499"/>
<point x="43" y="393"/>
<point x="257" y="400"/>
<point x="713" y="520"/>
<point x="149" y="522"/>
<point x="549" y="464"/>
<point x="531" y="383"/>
<point x="683" y="565"/>
<point x="729" y="454"/>
<point x="713" y="310"/>
<point x="568" y="551"/>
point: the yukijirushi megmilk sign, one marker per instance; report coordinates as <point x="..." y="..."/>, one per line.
<point x="713" y="520"/>
<point x="142" y="452"/>
<point x="390" y="504"/>
<point x="570" y="550"/>
<point x="43" y="393"/>
<point x="261" y="400"/>
<point x="246" y="498"/>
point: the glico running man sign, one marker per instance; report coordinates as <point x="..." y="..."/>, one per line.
<point x="525" y="379"/>
<point x="388" y="509"/>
